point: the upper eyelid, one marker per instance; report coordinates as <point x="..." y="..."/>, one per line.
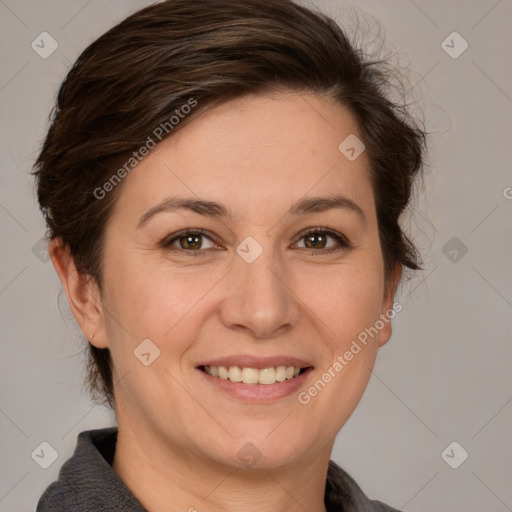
<point x="167" y="241"/>
<point x="200" y="232"/>
<point x="320" y="229"/>
<point x="339" y="237"/>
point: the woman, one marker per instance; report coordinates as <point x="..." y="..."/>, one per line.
<point x="222" y="183"/>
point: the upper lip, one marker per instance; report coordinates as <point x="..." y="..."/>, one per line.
<point x="259" y="363"/>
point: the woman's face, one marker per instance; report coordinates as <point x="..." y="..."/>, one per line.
<point x="269" y="283"/>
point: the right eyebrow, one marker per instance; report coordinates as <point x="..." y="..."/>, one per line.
<point x="201" y="206"/>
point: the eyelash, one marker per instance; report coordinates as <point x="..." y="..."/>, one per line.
<point x="342" y="241"/>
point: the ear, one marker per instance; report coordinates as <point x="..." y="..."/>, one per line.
<point x="389" y="308"/>
<point x="82" y="292"/>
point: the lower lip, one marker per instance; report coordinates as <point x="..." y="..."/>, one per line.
<point x="257" y="392"/>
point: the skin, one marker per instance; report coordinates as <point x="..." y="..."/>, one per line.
<point x="179" y="437"/>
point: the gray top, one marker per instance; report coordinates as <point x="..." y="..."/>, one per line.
<point x="87" y="483"/>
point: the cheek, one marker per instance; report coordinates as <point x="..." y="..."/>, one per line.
<point x="346" y="299"/>
<point x="347" y="302"/>
<point x="153" y="301"/>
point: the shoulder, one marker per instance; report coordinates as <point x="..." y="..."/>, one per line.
<point x="342" y="494"/>
<point x="87" y="482"/>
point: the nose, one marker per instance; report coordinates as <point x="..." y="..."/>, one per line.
<point x="260" y="299"/>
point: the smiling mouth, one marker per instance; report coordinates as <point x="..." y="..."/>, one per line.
<point x="247" y="375"/>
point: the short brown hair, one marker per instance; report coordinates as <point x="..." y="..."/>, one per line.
<point x="135" y="76"/>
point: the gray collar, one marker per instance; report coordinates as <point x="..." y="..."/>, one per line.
<point x="87" y="483"/>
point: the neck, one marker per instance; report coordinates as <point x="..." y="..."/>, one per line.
<point x="160" y="474"/>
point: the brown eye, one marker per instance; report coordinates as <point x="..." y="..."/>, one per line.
<point x="323" y="241"/>
<point x="316" y="241"/>
<point x="189" y="241"/>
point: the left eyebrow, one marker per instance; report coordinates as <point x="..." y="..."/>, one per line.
<point x="218" y="210"/>
<point x="322" y="204"/>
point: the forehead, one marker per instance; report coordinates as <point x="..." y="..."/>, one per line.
<point x="258" y="150"/>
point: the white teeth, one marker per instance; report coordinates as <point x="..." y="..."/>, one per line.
<point x="267" y="376"/>
<point x="250" y="376"/>
<point x="223" y="372"/>
<point x="281" y="373"/>
<point x="253" y="375"/>
<point x="235" y="374"/>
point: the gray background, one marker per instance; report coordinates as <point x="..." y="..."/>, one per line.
<point x="445" y="374"/>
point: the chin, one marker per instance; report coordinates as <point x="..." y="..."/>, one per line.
<point x="265" y="452"/>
